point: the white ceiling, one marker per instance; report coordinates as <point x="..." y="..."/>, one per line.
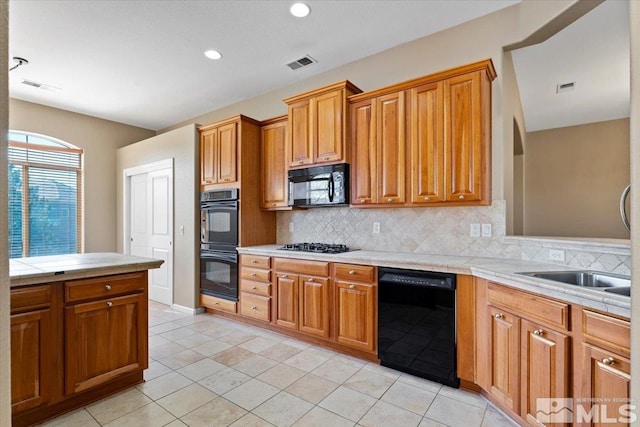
<point x="594" y="53"/>
<point x="142" y="62"/>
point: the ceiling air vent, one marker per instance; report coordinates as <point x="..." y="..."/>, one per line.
<point x="565" y="87"/>
<point x="39" y="85"/>
<point x="302" y="62"/>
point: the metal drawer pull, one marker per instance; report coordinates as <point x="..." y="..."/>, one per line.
<point x="389" y="199"/>
<point x="426" y="197"/>
<point x="538" y="332"/>
<point x="216" y="303"/>
<point x="109" y="304"/>
<point x="499" y="316"/>
<point x="254" y="261"/>
<point x="107" y="287"/>
<point x="253" y="274"/>
<point x="352" y="272"/>
<point x="461" y="197"/>
<point x="361" y="200"/>
<point x="609" y="361"/>
<point x="310" y="279"/>
<point x="254" y="308"/>
<point x="284" y="276"/>
<point x="253" y="288"/>
<point x="352" y="286"/>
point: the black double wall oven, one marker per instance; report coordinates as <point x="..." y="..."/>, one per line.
<point x="218" y="242"/>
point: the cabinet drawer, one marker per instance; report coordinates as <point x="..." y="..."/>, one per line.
<point x="256" y="274"/>
<point x="255" y="306"/>
<point x="359" y="273"/>
<point x="311" y="268"/>
<point x="543" y="310"/>
<point x="606" y="331"/>
<point x="106" y="286"/>
<point x="31" y="298"/>
<point x="256" y="261"/>
<point x="218" y="303"/>
<point x="255" y="287"/>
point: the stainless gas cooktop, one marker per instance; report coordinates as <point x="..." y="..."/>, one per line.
<point x="325" y="248"/>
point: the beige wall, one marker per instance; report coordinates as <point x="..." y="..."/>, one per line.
<point x="5" y="354"/>
<point x="181" y="145"/>
<point x="573" y="180"/>
<point x="99" y="139"/>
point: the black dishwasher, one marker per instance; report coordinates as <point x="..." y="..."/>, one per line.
<point x="417" y="323"/>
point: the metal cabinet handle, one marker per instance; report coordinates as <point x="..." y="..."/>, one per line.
<point x="107" y="287"/>
<point x="361" y="200"/>
<point x="310" y="279"/>
<point x="352" y="272"/>
<point x="284" y="276"/>
<point x="499" y="316"/>
<point x="254" y="261"/>
<point x="352" y="286"/>
<point x="461" y="197"/>
<point x="623" y="210"/>
<point x="253" y="274"/>
<point x="216" y="303"/>
<point x="254" y="308"/>
<point x="253" y="288"/>
<point x="609" y="361"/>
<point x="426" y="197"/>
<point x="538" y="332"/>
<point x="109" y="304"/>
<point x="389" y="200"/>
<point x="300" y="162"/>
<point x="325" y="158"/>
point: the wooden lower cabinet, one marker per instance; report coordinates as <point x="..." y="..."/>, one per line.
<point x="355" y="311"/>
<point x="287" y="300"/>
<point x="104" y="339"/>
<point x="314" y="306"/>
<point x="504" y="357"/>
<point x="606" y="382"/>
<point x="545" y="367"/>
<point x="32" y="368"/>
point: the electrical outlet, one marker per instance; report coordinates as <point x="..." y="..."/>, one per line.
<point x="474" y="230"/>
<point x="556" y="255"/>
<point x="486" y="230"/>
<point x="182" y="230"/>
<point x="376" y="228"/>
<point x="291" y="227"/>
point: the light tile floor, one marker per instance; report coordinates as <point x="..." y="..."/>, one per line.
<point x="209" y="371"/>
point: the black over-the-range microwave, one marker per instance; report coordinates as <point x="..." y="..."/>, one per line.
<point x="319" y="186"/>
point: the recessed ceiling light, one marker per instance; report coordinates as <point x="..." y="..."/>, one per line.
<point x="300" y="10"/>
<point x="213" y="54"/>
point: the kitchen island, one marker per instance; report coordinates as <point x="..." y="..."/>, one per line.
<point x="79" y="326"/>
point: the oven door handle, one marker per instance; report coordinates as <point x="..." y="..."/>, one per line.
<point x="218" y="255"/>
<point x="331" y="188"/>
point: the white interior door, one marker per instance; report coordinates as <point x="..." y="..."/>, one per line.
<point x="160" y="242"/>
<point x="149" y="223"/>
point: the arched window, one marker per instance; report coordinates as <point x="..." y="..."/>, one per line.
<point x="45" y="196"/>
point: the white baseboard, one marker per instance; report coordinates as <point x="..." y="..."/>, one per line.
<point x="189" y="310"/>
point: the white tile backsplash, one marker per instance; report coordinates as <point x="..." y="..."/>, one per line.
<point x="443" y="230"/>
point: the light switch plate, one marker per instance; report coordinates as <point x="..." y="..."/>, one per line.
<point x="290" y="226"/>
<point x="486" y="230"/>
<point x="376" y="228"/>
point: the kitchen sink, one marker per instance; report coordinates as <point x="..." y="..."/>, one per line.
<point x="608" y="282"/>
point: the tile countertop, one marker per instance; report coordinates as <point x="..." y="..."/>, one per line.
<point x="496" y="269"/>
<point x="55" y="268"/>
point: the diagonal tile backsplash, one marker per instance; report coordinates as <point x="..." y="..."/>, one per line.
<point x="443" y="230"/>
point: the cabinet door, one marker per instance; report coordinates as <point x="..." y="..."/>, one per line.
<point x="208" y="157"/>
<point x="463" y="135"/>
<point x="300" y="144"/>
<point x="314" y="306"/>
<point x="274" y="171"/>
<point x="104" y="339"/>
<point x="606" y="381"/>
<point x="544" y="366"/>
<point x="327" y="117"/>
<point x="356" y="315"/>
<point x="364" y="179"/>
<point x="227" y="153"/>
<point x="390" y="129"/>
<point x="287" y="300"/>
<point x="504" y="357"/>
<point x="427" y="144"/>
<point x="31" y="359"/>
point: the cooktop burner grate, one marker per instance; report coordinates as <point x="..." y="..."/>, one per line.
<point x="325" y="248"/>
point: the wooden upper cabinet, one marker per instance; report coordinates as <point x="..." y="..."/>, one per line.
<point x="218" y="154"/>
<point x="364" y="175"/>
<point x="318" y="125"/>
<point x="378" y="150"/>
<point x="274" y="171"/>
<point x="227" y="153"/>
<point x="390" y="130"/>
<point x="465" y="138"/>
<point x="299" y="140"/>
<point x="208" y="157"/>
<point x="426" y="144"/>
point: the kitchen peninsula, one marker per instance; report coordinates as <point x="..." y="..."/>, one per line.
<point x="78" y="330"/>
